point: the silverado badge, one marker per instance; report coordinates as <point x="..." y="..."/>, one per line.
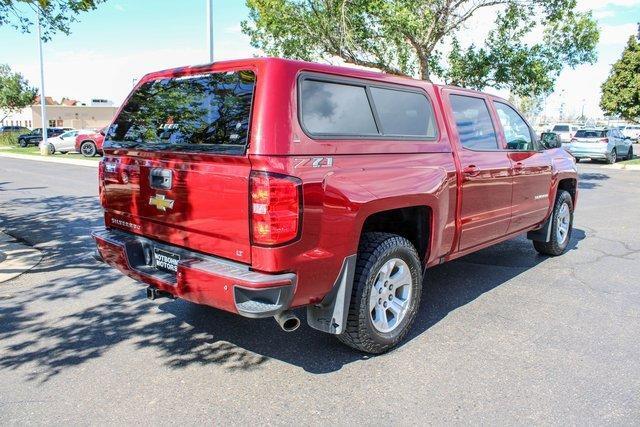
<point x="160" y="202"/>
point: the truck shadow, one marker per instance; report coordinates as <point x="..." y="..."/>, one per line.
<point x="446" y="288"/>
<point x="70" y="310"/>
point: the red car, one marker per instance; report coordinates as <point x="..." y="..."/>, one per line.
<point x="90" y="144"/>
<point x="260" y="186"/>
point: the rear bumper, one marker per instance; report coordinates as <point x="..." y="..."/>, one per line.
<point x="594" y="152"/>
<point x="200" y="278"/>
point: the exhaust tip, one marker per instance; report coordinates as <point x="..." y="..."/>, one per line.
<point x="288" y="321"/>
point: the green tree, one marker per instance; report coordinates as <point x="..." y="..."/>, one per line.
<point x="419" y="38"/>
<point x="621" y="90"/>
<point x="57" y="15"/>
<point x="529" y="106"/>
<point x="15" y="92"/>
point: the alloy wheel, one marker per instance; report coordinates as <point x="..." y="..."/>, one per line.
<point x="563" y="222"/>
<point x="390" y="295"/>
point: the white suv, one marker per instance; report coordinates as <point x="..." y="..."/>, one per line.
<point x="565" y="130"/>
<point x="631" y="131"/>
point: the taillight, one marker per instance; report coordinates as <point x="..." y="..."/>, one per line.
<point x="605" y="140"/>
<point x="275" y="208"/>
<point x="101" y="183"/>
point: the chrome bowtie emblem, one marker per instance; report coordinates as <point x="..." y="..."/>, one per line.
<point x="160" y="202"/>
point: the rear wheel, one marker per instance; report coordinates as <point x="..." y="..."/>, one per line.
<point x="88" y="149"/>
<point x="612" y="157"/>
<point x="386" y="293"/>
<point x="561" y="226"/>
<point x="630" y="153"/>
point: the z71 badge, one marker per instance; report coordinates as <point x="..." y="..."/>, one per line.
<point x="314" y="162"/>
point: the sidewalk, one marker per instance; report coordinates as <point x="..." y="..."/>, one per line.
<point x="51" y="159"/>
<point x="15" y="257"/>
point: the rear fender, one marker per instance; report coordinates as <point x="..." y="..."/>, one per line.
<point x="357" y="196"/>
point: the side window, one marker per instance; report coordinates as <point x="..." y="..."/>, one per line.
<point x="473" y="122"/>
<point x="336" y="109"/>
<point x="404" y="113"/>
<point x="516" y="131"/>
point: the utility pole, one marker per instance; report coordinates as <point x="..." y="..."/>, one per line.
<point x="44" y="150"/>
<point x="210" y="29"/>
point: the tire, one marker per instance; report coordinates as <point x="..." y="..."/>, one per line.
<point x="22" y="143"/>
<point x="613" y="157"/>
<point x="630" y="153"/>
<point x="63" y="152"/>
<point x="51" y="149"/>
<point x="558" y="242"/>
<point x="377" y="254"/>
<point x="88" y="149"/>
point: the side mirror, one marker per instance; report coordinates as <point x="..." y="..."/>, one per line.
<point x="550" y="140"/>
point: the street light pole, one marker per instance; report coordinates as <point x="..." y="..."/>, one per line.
<point x="43" y="147"/>
<point x="210" y="29"/>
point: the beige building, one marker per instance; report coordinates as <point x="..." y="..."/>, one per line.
<point x="68" y="113"/>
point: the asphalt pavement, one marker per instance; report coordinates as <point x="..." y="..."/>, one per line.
<point x="504" y="336"/>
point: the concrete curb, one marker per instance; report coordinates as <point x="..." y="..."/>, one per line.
<point x="16" y="258"/>
<point x="623" y="167"/>
<point x="51" y="159"/>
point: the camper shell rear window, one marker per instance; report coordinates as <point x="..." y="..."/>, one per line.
<point x="207" y="112"/>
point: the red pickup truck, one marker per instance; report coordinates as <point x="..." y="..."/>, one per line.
<point x="260" y="186"/>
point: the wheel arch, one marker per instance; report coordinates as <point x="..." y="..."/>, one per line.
<point x="411" y="222"/>
<point x="569" y="185"/>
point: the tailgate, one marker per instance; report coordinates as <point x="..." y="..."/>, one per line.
<point x="200" y="205"/>
<point x="176" y="167"/>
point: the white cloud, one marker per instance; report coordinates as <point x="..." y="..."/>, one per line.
<point x="601" y="14"/>
<point x="616" y="34"/>
<point x="118" y="7"/>
<point x="603" y="4"/>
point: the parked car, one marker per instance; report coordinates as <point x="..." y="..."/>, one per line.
<point x="65" y="142"/>
<point x="12" y="129"/>
<point x="322" y="187"/>
<point x="35" y="136"/>
<point x="90" y="143"/>
<point x="631" y="131"/>
<point x="565" y="130"/>
<point x="601" y="144"/>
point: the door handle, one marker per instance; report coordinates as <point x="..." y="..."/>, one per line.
<point x="471" y="171"/>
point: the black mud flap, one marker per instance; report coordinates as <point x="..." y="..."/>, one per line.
<point x="542" y="234"/>
<point x="330" y="315"/>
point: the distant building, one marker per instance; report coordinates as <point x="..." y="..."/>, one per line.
<point x="68" y="113"/>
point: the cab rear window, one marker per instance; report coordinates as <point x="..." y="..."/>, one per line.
<point x="199" y="113"/>
<point x="345" y="110"/>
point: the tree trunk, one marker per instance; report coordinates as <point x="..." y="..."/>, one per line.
<point x="424" y="71"/>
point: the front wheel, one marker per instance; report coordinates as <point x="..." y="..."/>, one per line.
<point x="561" y="226"/>
<point x="612" y="157"/>
<point x="386" y="293"/>
<point x="88" y="149"/>
<point x="51" y="149"/>
<point x="22" y="143"/>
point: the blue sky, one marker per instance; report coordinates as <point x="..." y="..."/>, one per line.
<point x="124" y="39"/>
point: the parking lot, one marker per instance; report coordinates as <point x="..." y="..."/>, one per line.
<point x="503" y="336"/>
